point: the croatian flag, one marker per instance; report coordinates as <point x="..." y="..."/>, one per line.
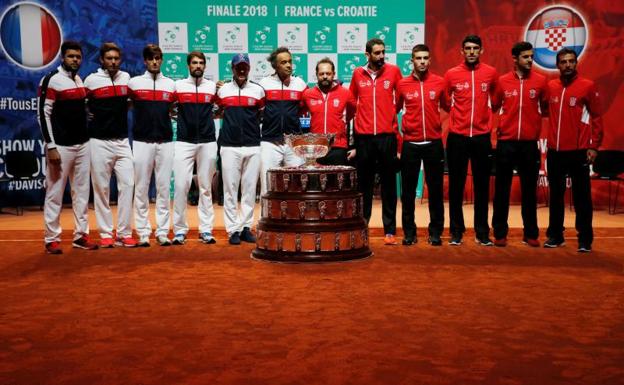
<point x="30" y="35"/>
<point x="555" y="28"/>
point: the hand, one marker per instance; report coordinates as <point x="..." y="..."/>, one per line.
<point x="591" y="155"/>
<point x="54" y="157"/>
<point x="350" y="154"/>
<point x="220" y="84"/>
<point x="398" y="155"/>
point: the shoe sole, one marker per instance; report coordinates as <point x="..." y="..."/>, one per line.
<point x="121" y="244"/>
<point x="209" y="242"/>
<point x="483" y="243"/>
<point x="554" y="246"/>
<point x="452" y="243"/>
<point x="178" y="243"/>
<point x="54" y="252"/>
<point x="76" y="246"/>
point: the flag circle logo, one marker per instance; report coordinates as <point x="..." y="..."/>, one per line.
<point x="30" y="35"/>
<point x="553" y="28"/>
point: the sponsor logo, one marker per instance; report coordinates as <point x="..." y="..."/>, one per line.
<point x="30" y="35"/>
<point x="173" y="37"/>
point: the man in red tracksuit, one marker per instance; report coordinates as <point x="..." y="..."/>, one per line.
<point x="331" y="106"/>
<point x="376" y="128"/>
<point x="573" y="140"/>
<point x="470" y="88"/>
<point x="520" y="94"/>
<point x="420" y="95"/>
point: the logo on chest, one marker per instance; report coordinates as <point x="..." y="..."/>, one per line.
<point x="572" y="101"/>
<point x="484" y="87"/>
<point x="532" y="93"/>
<point x="386" y="84"/>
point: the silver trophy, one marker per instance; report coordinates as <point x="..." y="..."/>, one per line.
<point x="310" y="146"/>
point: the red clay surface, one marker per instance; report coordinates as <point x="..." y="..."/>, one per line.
<point x="208" y="314"/>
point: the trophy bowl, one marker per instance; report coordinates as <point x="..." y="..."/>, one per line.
<point x="309" y="146"/>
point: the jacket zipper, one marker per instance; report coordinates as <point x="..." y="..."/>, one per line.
<point x="472" y="101"/>
<point x="422" y="99"/>
<point x="326" y="97"/>
<point x="560" y="111"/>
<point x="520" y="109"/>
<point x="374" y="105"/>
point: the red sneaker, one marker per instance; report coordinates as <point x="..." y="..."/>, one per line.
<point x="84" y="243"/>
<point x="107" y="243"/>
<point x="531" y="242"/>
<point x="126" y="242"/>
<point x="500" y="242"/>
<point x="390" y="239"/>
<point x="53" y="248"/>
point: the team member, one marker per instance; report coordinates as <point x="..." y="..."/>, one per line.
<point x="152" y="94"/>
<point x="331" y="106"/>
<point x="239" y="140"/>
<point x="470" y="87"/>
<point x="110" y="149"/>
<point x="520" y="91"/>
<point x="63" y="122"/>
<point x="420" y="95"/>
<point x="376" y="129"/>
<point x="196" y="142"/>
<point x="284" y="93"/>
<point x="573" y="140"/>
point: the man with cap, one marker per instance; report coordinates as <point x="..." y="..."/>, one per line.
<point x="239" y="140"/>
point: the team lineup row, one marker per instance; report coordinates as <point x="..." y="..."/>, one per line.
<point x="90" y="143"/>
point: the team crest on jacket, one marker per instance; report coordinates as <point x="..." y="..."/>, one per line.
<point x="293" y="95"/>
<point x="532" y="93"/>
<point x="484" y="87"/>
<point x="572" y="101"/>
<point x="251" y="101"/>
<point x="165" y="95"/>
<point x="123" y="90"/>
<point x="432" y="95"/>
<point x="206" y="98"/>
<point x="336" y="102"/>
<point x="386" y="84"/>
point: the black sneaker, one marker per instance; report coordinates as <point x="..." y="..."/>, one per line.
<point x="554" y="242"/>
<point x="584" y="248"/>
<point x="456" y="240"/>
<point x="235" y="238"/>
<point x="247" y="236"/>
<point x="434" y="240"/>
<point x="408" y="241"/>
<point x="484" y="241"/>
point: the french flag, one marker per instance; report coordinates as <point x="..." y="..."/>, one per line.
<point x="554" y="29"/>
<point x="30" y="35"/>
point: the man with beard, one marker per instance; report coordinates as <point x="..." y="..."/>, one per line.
<point x="331" y="107"/>
<point x="574" y="137"/>
<point x="63" y="121"/>
<point x="239" y="139"/>
<point x="110" y="149"/>
<point x="376" y="130"/>
<point x="196" y="142"/>
<point x="420" y="94"/>
<point x="469" y="89"/>
<point x="520" y="93"/>
<point x="281" y="114"/>
<point x="152" y="94"/>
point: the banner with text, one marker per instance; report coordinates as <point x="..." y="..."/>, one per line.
<point x="311" y="30"/>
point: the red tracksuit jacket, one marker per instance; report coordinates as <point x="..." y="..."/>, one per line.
<point x="469" y="93"/>
<point x="376" y="111"/>
<point x="575" y="115"/>
<point x="520" y="99"/>
<point x="330" y="112"/>
<point x="421" y="99"/>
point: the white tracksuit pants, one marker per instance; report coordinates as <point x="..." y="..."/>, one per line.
<point x="75" y="164"/>
<point x="240" y="166"/>
<point x="108" y="156"/>
<point x="186" y="154"/>
<point x="275" y="155"/>
<point x="148" y="157"/>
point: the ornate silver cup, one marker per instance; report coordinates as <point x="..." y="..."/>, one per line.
<point x="310" y="146"/>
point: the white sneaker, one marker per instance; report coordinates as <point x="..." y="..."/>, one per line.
<point x="143" y="241"/>
<point x="179" y="239"/>
<point x="163" y="240"/>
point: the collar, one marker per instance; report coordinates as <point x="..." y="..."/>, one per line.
<point x="62" y="70"/>
<point x="466" y="67"/>
<point x="418" y="79"/>
<point x="149" y="74"/>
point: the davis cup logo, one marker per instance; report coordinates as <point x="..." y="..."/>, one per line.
<point x="554" y="28"/>
<point x="30" y="35"/>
